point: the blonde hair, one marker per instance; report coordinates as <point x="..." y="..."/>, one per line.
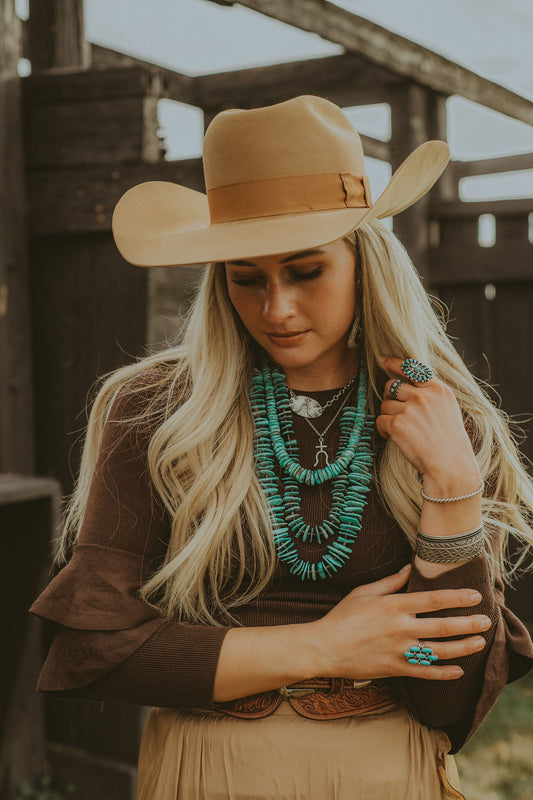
<point x="200" y="454"/>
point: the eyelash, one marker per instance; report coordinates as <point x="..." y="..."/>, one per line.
<point x="297" y="276"/>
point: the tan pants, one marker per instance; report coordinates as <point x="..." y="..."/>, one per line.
<point x="389" y="756"/>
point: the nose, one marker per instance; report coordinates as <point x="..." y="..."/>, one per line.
<point x="278" y="303"/>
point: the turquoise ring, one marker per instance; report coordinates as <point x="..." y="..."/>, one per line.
<point x="421" y="655"/>
<point x="416" y="370"/>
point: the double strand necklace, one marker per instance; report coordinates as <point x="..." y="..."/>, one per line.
<point x="350" y="473"/>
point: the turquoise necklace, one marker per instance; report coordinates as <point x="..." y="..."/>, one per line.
<point x="350" y="473"/>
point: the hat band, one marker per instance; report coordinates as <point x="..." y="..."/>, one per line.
<point x="290" y="194"/>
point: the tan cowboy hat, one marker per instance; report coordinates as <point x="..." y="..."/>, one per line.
<point x="279" y="179"/>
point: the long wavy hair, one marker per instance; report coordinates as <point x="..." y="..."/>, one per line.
<point x="200" y="453"/>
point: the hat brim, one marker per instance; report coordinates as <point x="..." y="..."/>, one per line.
<point x="162" y="224"/>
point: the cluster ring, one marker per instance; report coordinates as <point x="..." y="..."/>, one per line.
<point x="421" y="655"/>
<point x="416" y="370"/>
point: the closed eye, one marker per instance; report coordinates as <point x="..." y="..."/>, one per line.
<point x="296" y="275"/>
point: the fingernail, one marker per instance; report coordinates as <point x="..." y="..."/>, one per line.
<point x="485" y="622"/>
<point x="404" y="569"/>
<point x="475" y="597"/>
<point x="479" y="643"/>
<point x="457" y="672"/>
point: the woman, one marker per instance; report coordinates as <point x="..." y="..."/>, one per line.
<point x="289" y="528"/>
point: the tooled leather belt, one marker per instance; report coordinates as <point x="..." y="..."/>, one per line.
<point x="317" y="698"/>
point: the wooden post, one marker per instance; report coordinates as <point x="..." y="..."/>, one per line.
<point x="409" y="122"/>
<point x="56" y="35"/>
<point x="16" y="412"/>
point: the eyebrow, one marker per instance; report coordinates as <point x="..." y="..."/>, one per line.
<point x="287" y="260"/>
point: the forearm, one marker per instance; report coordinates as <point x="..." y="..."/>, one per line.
<point x="256" y="660"/>
<point x="447" y="519"/>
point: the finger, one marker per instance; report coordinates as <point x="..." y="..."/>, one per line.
<point x="389" y="585"/>
<point x="438" y="627"/>
<point x="402" y="391"/>
<point x="421" y="602"/>
<point x="394" y="365"/>
<point x="433" y="673"/>
<point x="458" y="649"/>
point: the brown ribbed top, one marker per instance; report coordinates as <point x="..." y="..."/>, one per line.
<point x="111" y="645"/>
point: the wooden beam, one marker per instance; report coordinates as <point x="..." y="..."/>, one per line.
<point x="16" y="402"/>
<point x="393" y="52"/>
<point x="346" y="80"/>
<point x="461" y="210"/>
<point x="92" y="117"/>
<point x="82" y="200"/>
<point x="491" y="166"/>
<point x="56" y="35"/>
<point x="173" y="85"/>
<point x="509" y="263"/>
<point x="375" y="148"/>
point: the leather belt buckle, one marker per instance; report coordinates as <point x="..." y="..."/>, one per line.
<point x="287" y="692"/>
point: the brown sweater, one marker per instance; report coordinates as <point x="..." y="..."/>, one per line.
<point x="111" y="645"/>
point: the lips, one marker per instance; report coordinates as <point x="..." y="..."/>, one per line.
<point x="286" y="334"/>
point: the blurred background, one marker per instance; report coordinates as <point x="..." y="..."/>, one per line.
<point x="97" y="96"/>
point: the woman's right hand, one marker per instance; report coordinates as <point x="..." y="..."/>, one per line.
<point x="366" y="635"/>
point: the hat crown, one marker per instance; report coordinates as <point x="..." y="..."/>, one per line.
<point x="304" y="136"/>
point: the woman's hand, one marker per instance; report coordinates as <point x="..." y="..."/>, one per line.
<point x="425" y="422"/>
<point x="366" y="635"/>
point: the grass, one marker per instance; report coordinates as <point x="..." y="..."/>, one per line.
<point x="497" y="763"/>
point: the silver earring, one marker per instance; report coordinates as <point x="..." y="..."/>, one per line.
<point x="356" y="333"/>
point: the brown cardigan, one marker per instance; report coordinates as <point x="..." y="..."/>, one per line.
<point x="111" y="645"/>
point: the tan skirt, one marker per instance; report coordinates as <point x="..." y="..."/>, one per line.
<point x="389" y="756"/>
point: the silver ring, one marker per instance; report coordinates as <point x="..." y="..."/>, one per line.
<point x="394" y="388"/>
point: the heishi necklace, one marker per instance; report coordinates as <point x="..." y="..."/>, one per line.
<point x="350" y="473"/>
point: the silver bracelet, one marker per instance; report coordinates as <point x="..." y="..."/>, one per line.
<point x="449" y="549"/>
<point x="452" y="499"/>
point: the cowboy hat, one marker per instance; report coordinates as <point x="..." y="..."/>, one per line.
<point x="279" y="179"/>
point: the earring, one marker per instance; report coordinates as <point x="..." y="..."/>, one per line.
<point x="356" y="334"/>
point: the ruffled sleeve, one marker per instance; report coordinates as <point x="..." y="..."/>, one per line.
<point x="460" y="706"/>
<point x="100" y="620"/>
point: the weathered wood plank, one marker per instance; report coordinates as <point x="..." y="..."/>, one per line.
<point x="82" y="200"/>
<point x="375" y="148"/>
<point x="444" y="209"/>
<point x="173" y="85"/>
<point x="345" y="79"/>
<point x="56" y="34"/>
<point x="15" y="488"/>
<point x="97" y="303"/>
<point x="460" y="264"/>
<point x="394" y="52"/>
<point x="490" y="166"/>
<point x="91" y="118"/>
<point x="52" y="86"/>
<point x="16" y="404"/>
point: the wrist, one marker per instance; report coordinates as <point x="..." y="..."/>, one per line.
<point x="319" y="661"/>
<point x="452" y="483"/>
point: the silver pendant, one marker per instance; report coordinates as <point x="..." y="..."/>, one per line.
<point x="305" y="406"/>
<point x="321" y="451"/>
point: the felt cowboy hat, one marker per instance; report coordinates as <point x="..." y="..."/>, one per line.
<point x="279" y="179"/>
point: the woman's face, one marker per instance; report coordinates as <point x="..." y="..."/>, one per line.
<point x="300" y="308"/>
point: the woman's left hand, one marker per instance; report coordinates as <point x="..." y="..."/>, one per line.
<point x="425" y="422"/>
